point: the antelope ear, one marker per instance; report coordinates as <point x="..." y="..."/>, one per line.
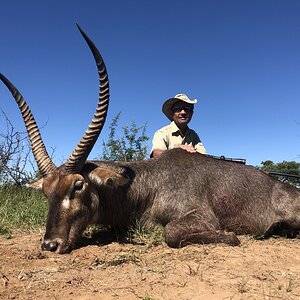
<point x="37" y="185"/>
<point x="109" y="177"/>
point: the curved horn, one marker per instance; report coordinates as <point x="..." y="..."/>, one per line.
<point x="77" y="159"/>
<point x="39" y="151"/>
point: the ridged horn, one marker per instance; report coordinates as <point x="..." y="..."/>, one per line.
<point x="77" y="159"/>
<point x="39" y="151"/>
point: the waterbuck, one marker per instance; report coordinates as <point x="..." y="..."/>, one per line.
<point x="197" y="198"/>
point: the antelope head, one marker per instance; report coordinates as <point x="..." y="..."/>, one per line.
<point x="65" y="187"/>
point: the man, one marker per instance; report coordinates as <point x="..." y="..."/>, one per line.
<point x="179" y="110"/>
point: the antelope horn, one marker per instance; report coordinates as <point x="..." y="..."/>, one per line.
<point x="77" y="159"/>
<point x="39" y="151"/>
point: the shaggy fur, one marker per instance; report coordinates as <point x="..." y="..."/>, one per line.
<point x="198" y="199"/>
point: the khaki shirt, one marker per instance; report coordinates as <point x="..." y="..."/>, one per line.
<point x="170" y="137"/>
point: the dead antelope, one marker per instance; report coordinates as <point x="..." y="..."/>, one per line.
<point x="198" y="199"/>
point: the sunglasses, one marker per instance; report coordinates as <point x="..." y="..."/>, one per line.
<point x="178" y="108"/>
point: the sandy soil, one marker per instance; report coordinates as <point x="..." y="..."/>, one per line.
<point x="268" y="269"/>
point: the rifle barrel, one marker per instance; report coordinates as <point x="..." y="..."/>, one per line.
<point x="283" y="174"/>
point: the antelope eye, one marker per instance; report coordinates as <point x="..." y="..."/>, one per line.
<point x="78" y="185"/>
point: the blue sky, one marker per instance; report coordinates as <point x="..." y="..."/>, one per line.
<point x="240" y="59"/>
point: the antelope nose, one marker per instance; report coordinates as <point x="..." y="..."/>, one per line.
<point x="49" y="246"/>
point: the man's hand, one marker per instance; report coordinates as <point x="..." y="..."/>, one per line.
<point x="158" y="152"/>
<point x="188" y="148"/>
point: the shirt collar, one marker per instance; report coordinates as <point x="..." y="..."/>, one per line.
<point x="175" y="130"/>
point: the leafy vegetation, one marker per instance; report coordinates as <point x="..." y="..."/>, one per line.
<point x="130" y="146"/>
<point x="285" y="167"/>
<point x="14" y="156"/>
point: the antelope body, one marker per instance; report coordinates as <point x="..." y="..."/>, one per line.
<point x="198" y="199"/>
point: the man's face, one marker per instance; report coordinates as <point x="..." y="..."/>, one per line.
<point x="182" y="112"/>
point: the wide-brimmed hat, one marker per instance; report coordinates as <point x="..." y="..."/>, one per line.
<point x="167" y="106"/>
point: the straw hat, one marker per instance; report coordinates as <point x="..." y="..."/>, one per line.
<point x="167" y="106"/>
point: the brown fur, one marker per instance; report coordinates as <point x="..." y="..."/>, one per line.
<point x="196" y="198"/>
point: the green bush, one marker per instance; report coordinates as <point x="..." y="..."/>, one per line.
<point x="130" y="146"/>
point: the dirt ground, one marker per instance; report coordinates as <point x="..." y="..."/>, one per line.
<point x="268" y="269"/>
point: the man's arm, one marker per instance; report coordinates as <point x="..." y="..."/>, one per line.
<point x="157" y="153"/>
<point x="158" y="144"/>
<point x="198" y="144"/>
<point x="200" y="148"/>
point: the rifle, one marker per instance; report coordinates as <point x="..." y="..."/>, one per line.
<point x="236" y="160"/>
<point x="243" y="161"/>
<point x="284" y="175"/>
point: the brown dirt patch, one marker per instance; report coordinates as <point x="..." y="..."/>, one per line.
<point x="268" y="269"/>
